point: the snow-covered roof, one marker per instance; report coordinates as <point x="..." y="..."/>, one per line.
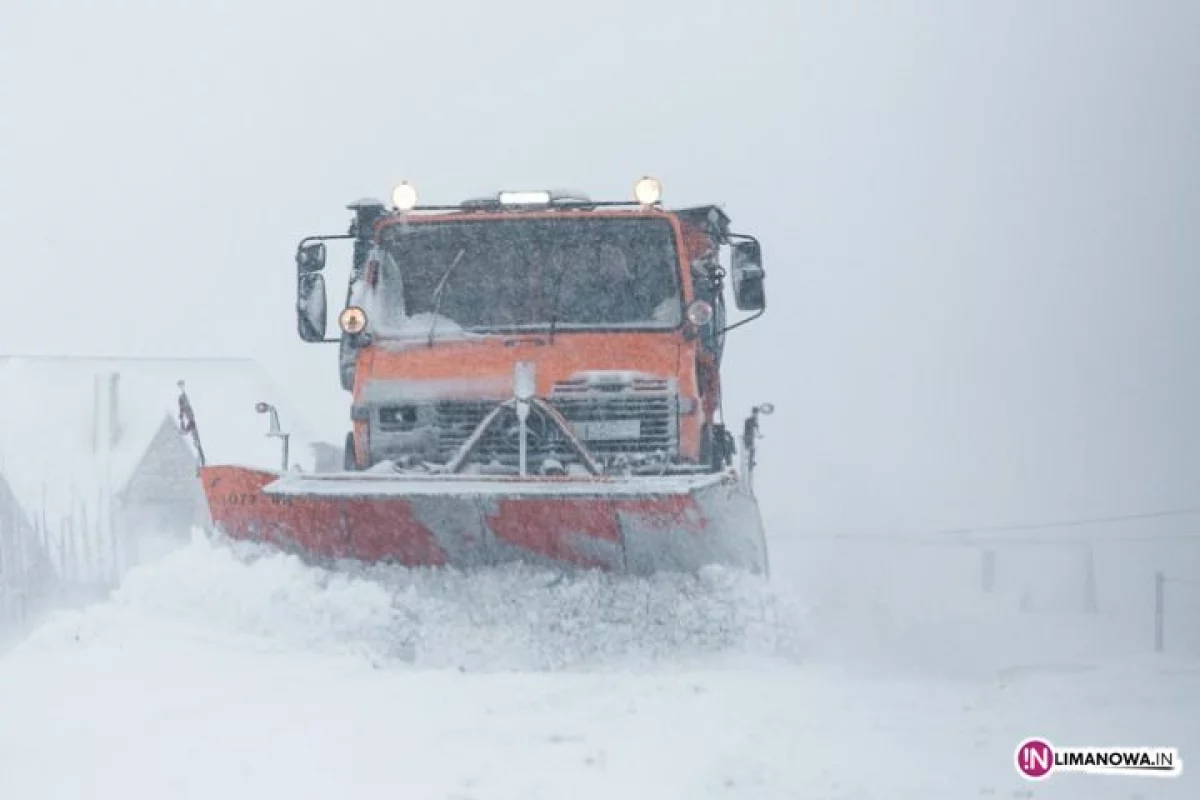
<point x="47" y="425"/>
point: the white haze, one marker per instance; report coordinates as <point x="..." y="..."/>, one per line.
<point x="982" y="272"/>
<point x="978" y="222"/>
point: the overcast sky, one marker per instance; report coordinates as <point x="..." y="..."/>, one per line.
<point x="978" y="218"/>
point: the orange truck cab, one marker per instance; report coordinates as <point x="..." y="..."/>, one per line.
<point x="614" y="313"/>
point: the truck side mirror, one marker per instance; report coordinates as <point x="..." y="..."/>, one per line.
<point x="311" y="306"/>
<point x="748" y="276"/>
<point x="310" y="258"/>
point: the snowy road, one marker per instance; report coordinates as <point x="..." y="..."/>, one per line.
<point x="205" y="677"/>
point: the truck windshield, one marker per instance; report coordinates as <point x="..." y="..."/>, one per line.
<point x="522" y="273"/>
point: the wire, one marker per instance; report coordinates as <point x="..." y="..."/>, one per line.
<point x="1076" y="523"/>
<point x="940" y="535"/>
<point x="945" y="540"/>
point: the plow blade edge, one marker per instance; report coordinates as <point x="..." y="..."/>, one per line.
<point x="625" y="524"/>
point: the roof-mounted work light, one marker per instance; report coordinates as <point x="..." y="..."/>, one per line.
<point x="538" y="198"/>
<point x="404" y="196"/>
<point x="648" y="191"/>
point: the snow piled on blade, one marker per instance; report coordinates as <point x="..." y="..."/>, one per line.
<point x="514" y="617"/>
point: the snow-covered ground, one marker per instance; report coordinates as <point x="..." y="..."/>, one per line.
<point x="216" y="673"/>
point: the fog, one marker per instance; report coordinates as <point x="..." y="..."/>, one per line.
<point x="982" y="282"/>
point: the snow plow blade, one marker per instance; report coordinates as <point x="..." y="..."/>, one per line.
<point x="633" y="524"/>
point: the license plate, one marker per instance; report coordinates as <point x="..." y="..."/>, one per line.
<point x="608" y="429"/>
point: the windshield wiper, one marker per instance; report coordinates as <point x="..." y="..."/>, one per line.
<point x="558" y="281"/>
<point x="437" y="293"/>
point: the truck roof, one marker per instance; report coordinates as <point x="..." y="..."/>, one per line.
<point x="709" y="218"/>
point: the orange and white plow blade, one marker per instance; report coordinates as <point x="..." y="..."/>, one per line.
<point x="626" y="524"/>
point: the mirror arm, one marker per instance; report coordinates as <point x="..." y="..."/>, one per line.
<point x="307" y="240"/>
<point x="740" y="323"/>
<point x="324" y="238"/>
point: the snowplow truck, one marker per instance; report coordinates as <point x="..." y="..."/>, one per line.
<point x="533" y="376"/>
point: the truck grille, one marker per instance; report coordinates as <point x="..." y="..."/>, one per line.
<point x="610" y="421"/>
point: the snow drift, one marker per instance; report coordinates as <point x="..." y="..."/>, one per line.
<point x="238" y="672"/>
<point x="506" y="618"/>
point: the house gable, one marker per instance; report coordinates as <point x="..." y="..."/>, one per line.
<point x="165" y="473"/>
